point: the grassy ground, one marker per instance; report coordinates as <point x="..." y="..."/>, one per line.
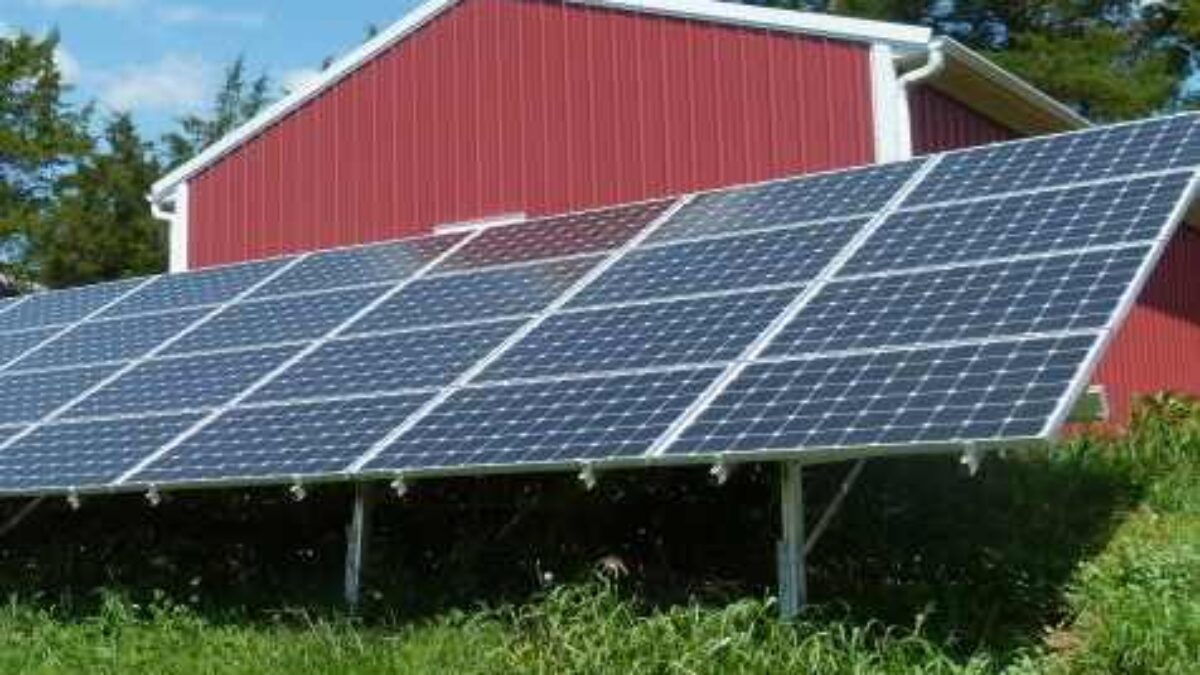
<point x="1084" y="559"/>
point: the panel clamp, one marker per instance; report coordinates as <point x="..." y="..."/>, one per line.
<point x="399" y="486"/>
<point x="153" y="497"/>
<point x="721" y="471"/>
<point x="587" y="476"/>
<point x="297" y="491"/>
<point x="972" y="458"/>
<point x="73" y="499"/>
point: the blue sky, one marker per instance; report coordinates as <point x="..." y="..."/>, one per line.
<point x="163" y="58"/>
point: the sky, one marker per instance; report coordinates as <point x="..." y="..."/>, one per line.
<point x="160" y="59"/>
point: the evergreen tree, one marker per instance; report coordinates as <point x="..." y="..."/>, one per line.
<point x="40" y="138"/>
<point x="238" y="100"/>
<point x="100" y="226"/>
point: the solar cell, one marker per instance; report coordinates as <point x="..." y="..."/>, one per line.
<point x="30" y="396"/>
<point x="13" y="345"/>
<point x="410" y="360"/>
<point x="509" y="291"/>
<point x="570" y="235"/>
<point x="547" y="422"/>
<point x="109" y="340"/>
<point x="182" y="383"/>
<point x="265" y="322"/>
<point x="194" y="289"/>
<point x="1106" y="152"/>
<point x="86" y="454"/>
<point x="642" y="336"/>
<point x="359" y="266"/>
<point x="62" y="307"/>
<point x="786" y="202"/>
<point x="1114" y="213"/>
<point x="890" y="398"/>
<point x="758" y="259"/>
<point x="282" y="441"/>
<point x="1061" y="293"/>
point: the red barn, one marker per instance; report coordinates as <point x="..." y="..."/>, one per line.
<point x="480" y="109"/>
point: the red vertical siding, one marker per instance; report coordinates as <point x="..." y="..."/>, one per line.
<point x="502" y="106"/>
<point x="1158" y="348"/>
<point x="941" y="123"/>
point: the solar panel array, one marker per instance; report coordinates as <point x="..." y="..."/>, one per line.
<point x="920" y="305"/>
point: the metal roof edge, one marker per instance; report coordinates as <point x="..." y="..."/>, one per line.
<point x="810" y="23"/>
<point x="1012" y="83"/>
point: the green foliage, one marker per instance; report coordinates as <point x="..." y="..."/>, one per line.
<point x="238" y="100"/>
<point x="100" y="226"/>
<point x="40" y="138"/>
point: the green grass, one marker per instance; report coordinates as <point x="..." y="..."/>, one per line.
<point x="1083" y="559"/>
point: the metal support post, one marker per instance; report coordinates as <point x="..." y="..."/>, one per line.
<point x="357" y="535"/>
<point x="793" y="586"/>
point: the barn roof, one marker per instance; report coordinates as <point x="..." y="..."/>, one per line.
<point x="997" y="90"/>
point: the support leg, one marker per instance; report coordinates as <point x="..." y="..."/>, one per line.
<point x="793" y="590"/>
<point x="357" y="535"/>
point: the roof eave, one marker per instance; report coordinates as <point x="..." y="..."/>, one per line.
<point x="906" y="39"/>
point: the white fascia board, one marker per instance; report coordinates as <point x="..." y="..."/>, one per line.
<point x="1017" y="86"/>
<point x="902" y="37"/>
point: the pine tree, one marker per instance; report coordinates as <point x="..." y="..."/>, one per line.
<point x="100" y="226"/>
<point x="40" y="138"/>
<point x="238" y="100"/>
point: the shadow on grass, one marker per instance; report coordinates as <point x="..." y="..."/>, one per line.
<point x="978" y="563"/>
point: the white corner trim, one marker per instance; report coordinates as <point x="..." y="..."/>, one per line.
<point x="174" y="207"/>
<point x="889" y="108"/>
<point x="824" y="25"/>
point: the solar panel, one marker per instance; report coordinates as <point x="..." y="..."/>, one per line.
<point x="63" y="307"/>
<point x="13" y="345"/>
<point x="1070" y="292"/>
<point x="642" y="336"/>
<point x="983" y="392"/>
<point x="577" y="234"/>
<point x="775" y="257"/>
<point x="30" y="396"/>
<point x="109" y="340"/>
<point x="442" y="300"/>
<point x="275" y="321"/>
<point x="789" y="202"/>
<point x="182" y="383"/>
<point x="959" y="299"/>
<point x="281" y="441"/>
<point x="1105" y="152"/>
<point x="77" y="454"/>
<point x="195" y="289"/>
<point x="1112" y="213"/>
<point x="393" y="362"/>
<point x="359" y="266"/>
<point x="550" y="422"/>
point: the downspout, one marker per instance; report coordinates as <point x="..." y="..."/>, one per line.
<point x="934" y="64"/>
<point x="172" y="207"/>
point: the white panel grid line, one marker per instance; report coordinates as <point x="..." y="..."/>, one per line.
<point x="217" y="412"/>
<point x="146" y="356"/>
<point x="68" y="327"/>
<point x="760" y="345"/>
<point x="683" y="297"/>
<point x="435" y="327"/>
<point x="1031" y="192"/>
<point x="514" y="265"/>
<point x="14" y="303"/>
<point x="1084" y="375"/>
<point x="1000" y="260"/>
<point x="613" y="257"/>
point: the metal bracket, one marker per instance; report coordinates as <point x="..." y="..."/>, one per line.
<point x="153" y="497"/>
<point x="972" y="458"/>
<point x="587" y="476"/>
<point x="721" y="471"/>
<point x="298" y="492"/>
<point x="399" y="487"/>
<point x="73" y="500"/>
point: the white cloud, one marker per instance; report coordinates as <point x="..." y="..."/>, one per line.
<point x="173" y="84"/>
<point x="294" y="80"/>
<point x="68" y="65"/>
<point x="187" y="14"/>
